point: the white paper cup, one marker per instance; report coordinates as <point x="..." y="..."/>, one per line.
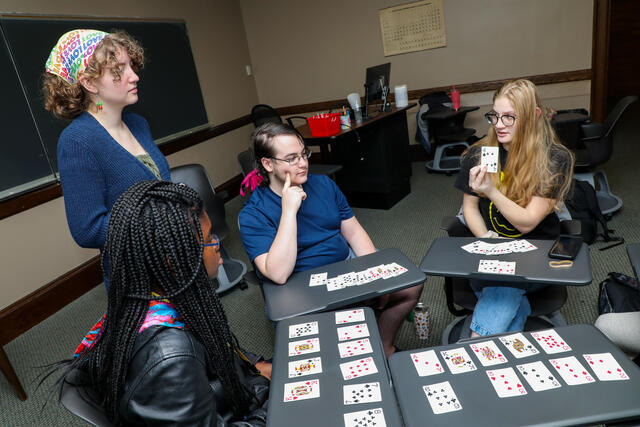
<point x="402" y="96"/>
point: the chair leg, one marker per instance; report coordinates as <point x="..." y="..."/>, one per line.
<point x="10" y="374"/>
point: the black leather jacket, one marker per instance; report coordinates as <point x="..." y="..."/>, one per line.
<point x="170" y="382"/>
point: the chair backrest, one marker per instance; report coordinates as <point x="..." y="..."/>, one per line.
<point x="196" y="177"/>
<point x="616" y="113"/>
<point x="247" y="161"/>
<point x="79" y="401"/>
<point x="263" y="113"/>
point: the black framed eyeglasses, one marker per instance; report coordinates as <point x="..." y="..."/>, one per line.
<point x="293" y="161"/>
<point x="507" y="119"/>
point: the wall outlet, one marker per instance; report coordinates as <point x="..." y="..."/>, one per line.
<point x="248" y="69"/>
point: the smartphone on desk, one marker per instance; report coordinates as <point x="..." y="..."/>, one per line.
<point x="565" y="247"/>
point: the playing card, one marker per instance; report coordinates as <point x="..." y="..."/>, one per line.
<point x="572" y="371"/>
<point x="605" y="367"/>
<point x="458" y="360"/>
<point x="506" y="383"/>
<point x="524" y="246"/>
<point x="375" y="273"/>
<point x="300" y="368"/>
<point x="301" y="390"/>
<point x="348" y="279"/>
<point x="348" y="316"/>
<point x="335" y="283"/>
<point x="442" y="398"/>
<point x="353" y="331"/>
<point x="303" y="329"/>
<point x="519" y="346"/>
<point x="488" y="353"/>
<point x="427" y="363"/>
<point x="311" y="345"/>
<point x="367" y="418"/>
<point x="489" y="158"/>
<point x="396" y="269"/>
<point x="361" y="393"/>
<point x="358" y="368"/>
<point x="355" y="348"/>
<point x="363" y="277"/>
<point x="538" y="376"/>
<point x="318" y="279"/>
<point x="506" y="267"/>
<point x="488" y="266"/>
<point x="550" y="341"/>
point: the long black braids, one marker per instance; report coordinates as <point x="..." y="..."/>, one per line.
<point x="154" y="242"/>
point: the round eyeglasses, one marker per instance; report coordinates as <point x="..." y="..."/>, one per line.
<point x="507" y="119"/>
<point x="294" y="160"/>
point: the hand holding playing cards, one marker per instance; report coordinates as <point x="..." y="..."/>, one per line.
<point x="480" y="181"/>
<point x="292" y="196"/>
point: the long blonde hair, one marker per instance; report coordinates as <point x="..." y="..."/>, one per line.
<point x="538" y="164"/>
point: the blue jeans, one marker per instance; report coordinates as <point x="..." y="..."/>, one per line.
<point x="500" y="308"/>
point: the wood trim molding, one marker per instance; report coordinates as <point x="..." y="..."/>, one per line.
<point x="50" y="192"/>
<point x="538" y="79"/>
<point x="600" y="59"/>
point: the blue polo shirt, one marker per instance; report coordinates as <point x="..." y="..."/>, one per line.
<point x="319" y="218"/>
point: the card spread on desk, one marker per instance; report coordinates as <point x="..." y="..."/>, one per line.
<point x="605" y="367"/>
<point x="502" y="248"/>
<point x="489" y="158"/>
<point x="519" y="346"/>
<point x="358" y="368"/>
<point x="334" y="284"/>
<point x="367" y="418"/>
<point x="427" y="363"/>
<point x="506" y="382"/>
<point x="488" y="353"/>
<point x="348" y="316"/>
<point x="572" y="371"/>
<point x="301" y="390"/>
<point x="352" y="332"/>
<point x="319" y="279"/>
<point x="550" y="341"/>
<point x="297" y="348"/>
<point x="458" y="360"/>
<point x="303" y="329"/>
<point x="442" y="398"/>
<point x="355" y="348"/>
<point x="362" y="393"/>
<point x="300" y="368"/>
<point x="496" y="267"/>
<point x="538" y="376"/>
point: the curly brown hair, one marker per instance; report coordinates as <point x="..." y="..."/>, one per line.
<point x="66" y="101"/>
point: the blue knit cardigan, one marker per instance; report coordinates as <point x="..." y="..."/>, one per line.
<point x="95" y="170"/>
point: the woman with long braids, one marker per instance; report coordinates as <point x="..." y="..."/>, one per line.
<point x="163" y="352"/>
<point x="519" y="201"/>
<point x="90" y="77"/>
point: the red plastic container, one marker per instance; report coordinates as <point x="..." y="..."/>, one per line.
<point x="324" y="124"/>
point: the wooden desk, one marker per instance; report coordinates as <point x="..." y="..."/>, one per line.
<point x="374" y="156"/>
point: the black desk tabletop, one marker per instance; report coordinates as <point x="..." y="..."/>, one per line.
<point x="582" y="404"/>
<point x="328" y="409"/>
<point x="446" y="257"/>
<point x="296" y="297"/>
<point x="447" y="113"/>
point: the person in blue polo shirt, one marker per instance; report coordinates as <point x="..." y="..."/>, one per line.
<point x="295" y="221"/>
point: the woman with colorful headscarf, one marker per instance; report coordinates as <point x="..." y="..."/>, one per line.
<point x="90" y="77"/>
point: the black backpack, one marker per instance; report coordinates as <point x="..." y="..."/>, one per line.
<point x="619" y="293"/>
<point x="583" y="206"/>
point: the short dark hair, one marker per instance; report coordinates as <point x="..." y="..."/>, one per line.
<point x="262" y="140"/>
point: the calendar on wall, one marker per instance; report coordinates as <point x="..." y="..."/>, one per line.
<point x="412" y="26"/>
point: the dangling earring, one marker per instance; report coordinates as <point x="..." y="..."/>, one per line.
<point x="99" y="104"/>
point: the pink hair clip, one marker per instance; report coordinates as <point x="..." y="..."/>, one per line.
<point x="251" y="181"/>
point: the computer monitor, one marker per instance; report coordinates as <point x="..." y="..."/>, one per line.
<point x="376" y="86"/>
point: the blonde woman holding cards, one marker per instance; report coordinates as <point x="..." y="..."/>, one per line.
<point x="519" y="200"/>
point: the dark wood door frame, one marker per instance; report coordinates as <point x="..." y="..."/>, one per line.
<point x="600" y="58"/>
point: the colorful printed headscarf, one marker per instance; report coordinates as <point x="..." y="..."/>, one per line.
<point x="71" y="55"/>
